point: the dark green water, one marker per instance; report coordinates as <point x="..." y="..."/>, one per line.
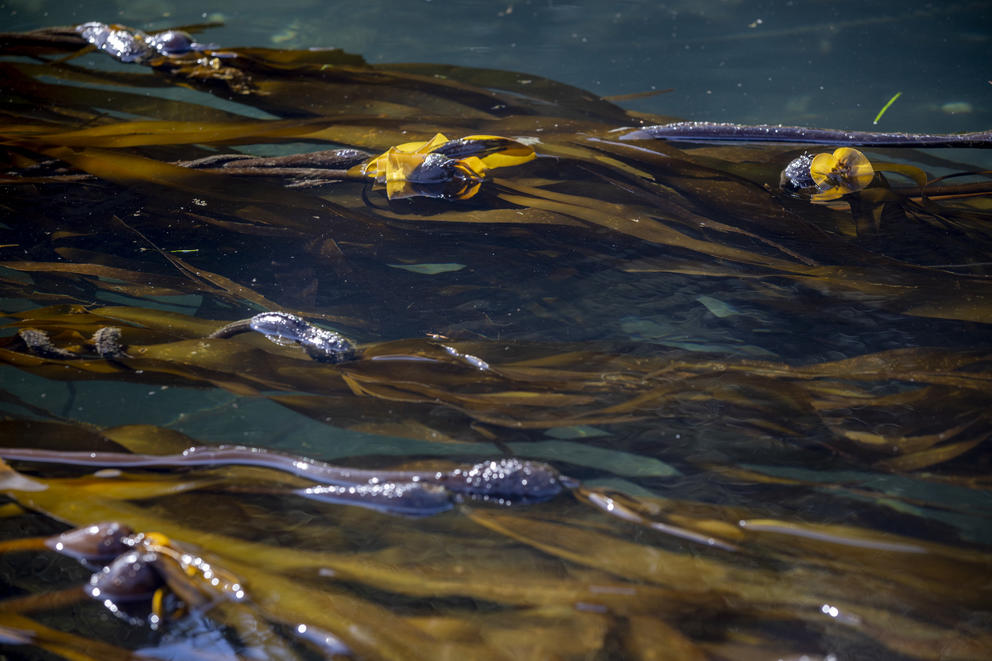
<point x="819" y="63"/>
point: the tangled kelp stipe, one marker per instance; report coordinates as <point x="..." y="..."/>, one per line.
<point x="310" y="358"/>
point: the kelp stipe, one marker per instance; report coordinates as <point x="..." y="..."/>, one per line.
<point x="727" y="132"/>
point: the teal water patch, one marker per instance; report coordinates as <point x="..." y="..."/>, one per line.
<point x="717" y="307"/>
<point x="429" y="269"/>
<point x="966" y="510"/>
<point x="183" y="303"/>
<point x="11" y="305"/>
<point x="218" y="417"/>
<point x="243" y="419"/>
<point x="164" y="95"/>
<point x="659" y="331"/>
<point x="907" y="486"/>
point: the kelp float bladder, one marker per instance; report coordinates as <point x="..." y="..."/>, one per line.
<point x="828" y="176"/>
<point x="450" y="169"/>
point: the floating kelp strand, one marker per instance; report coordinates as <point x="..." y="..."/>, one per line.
<point x="42" y="41"/>
<point x="320" y="344"/>
<point x="404" y="357"/>
<point x="280" y="327"/>
<point x="474" y="361"/>
<point x="499" y="479"/>
<point x="810" y="532"/>
<point x="405" y="498"/>
<point x="303" y="170"/>
<point x="133" y="45"/>
<point x="770" y="596"/>
<point x="611" y="505"/>
<point x="507" y="480"/>
<point x="317" y="471"/>
<point x="720" y="131"/>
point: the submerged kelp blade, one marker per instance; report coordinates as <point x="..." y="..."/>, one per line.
<point x="153" y="285"/>
<point x="149" y="439"/>
<point x="637" y="222"/>
<point x="631" y="561"/>
<point x="340" y="611"/>
<point x="757" y="591"/>
<point x="71" y="437"/>
<point x="524" y="395"/>
<point x="17" y="630"/>
<point x="933" y="456"/>
<point x="651" y="640"/>
<point x="534" y="632"/>
<point x="147" y="133"/>
<point x="356" y="622"/>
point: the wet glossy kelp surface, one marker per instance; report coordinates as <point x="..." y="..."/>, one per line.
<point x="628" y="398"/>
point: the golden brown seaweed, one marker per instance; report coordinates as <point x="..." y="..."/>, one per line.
<point x="612" y="307"/>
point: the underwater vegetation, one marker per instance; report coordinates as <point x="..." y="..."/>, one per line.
<point x="630" y="387"/>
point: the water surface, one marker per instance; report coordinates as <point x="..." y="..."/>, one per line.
<point x="777" y="406"/>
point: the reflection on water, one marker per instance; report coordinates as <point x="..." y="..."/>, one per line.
<point x="348" y="391"/>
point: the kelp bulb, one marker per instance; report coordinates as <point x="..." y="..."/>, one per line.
<point x="828" y="176"/>
<point x="795" y="177"/>
<point x="100" y="541"/>
<point x="844" y="171"/>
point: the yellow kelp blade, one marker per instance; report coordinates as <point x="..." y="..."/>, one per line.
<point x="473" y="173"/>
<point x="442" y="167"/>
<point x="395" y="174"/>
<point x="377" y="166"/>
<point x="844" y="171"/>
<point x="502" y="152"/>
<point x="423" y="147"/>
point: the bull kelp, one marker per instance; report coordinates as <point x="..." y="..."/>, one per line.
<point x="309" y="358"/>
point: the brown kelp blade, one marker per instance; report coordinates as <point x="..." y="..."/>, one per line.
<point x="563" y="389"/>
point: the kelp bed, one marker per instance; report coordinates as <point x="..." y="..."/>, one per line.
<point x="769" y="408"/>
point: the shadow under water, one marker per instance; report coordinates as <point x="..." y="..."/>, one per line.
<point x="653" y="390"/>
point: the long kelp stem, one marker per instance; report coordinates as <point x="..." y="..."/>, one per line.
<point x="502" y="478"/>
<point x="720" y="131"/>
